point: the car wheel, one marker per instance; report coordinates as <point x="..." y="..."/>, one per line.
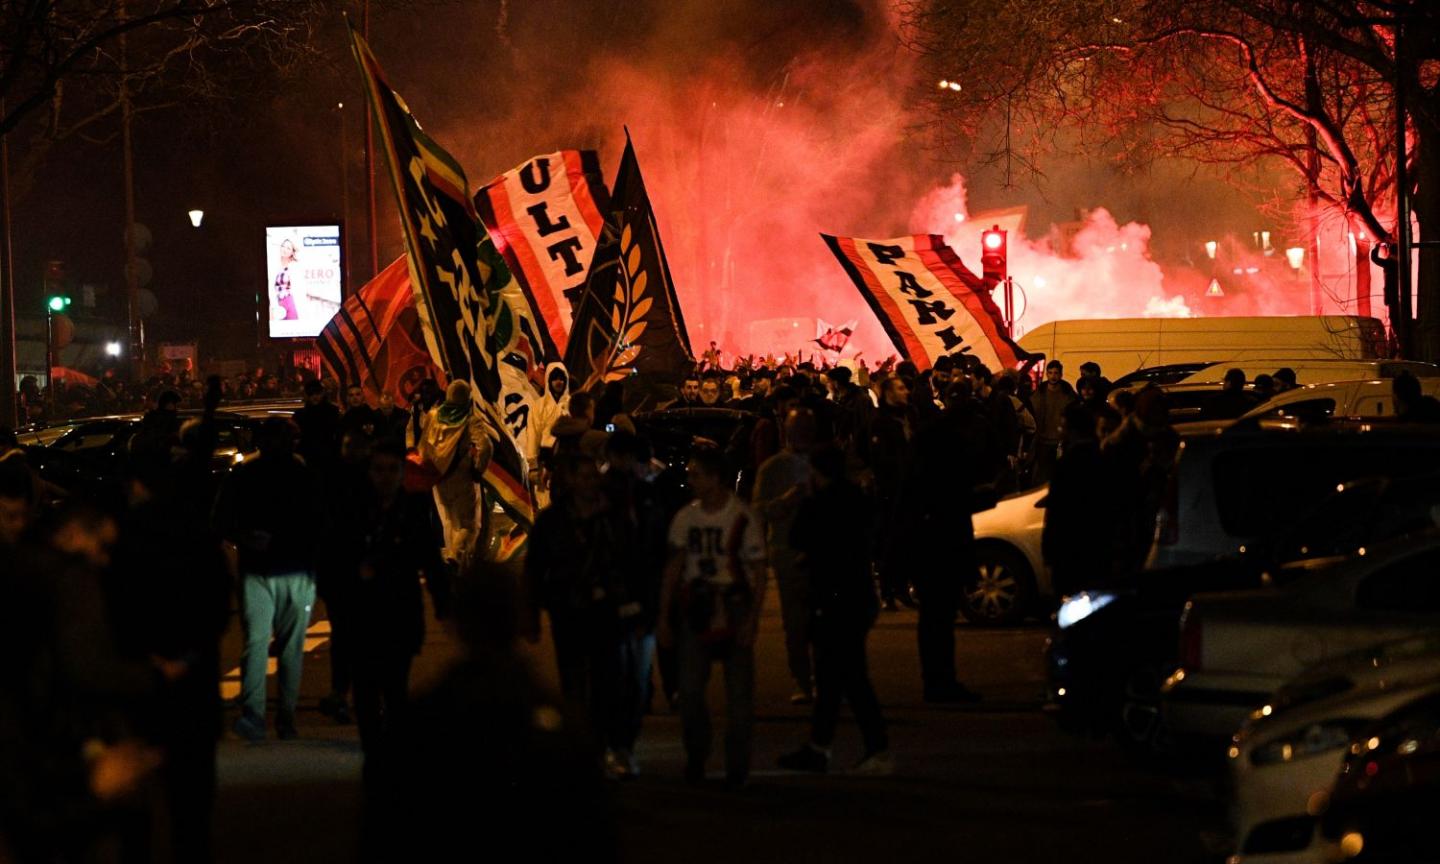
<point x="1141" y="724"/>
<point x="999" y="592"/>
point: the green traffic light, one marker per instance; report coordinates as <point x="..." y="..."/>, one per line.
<point x="58" y="304"/>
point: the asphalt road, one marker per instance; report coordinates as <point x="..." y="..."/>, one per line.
<point x="989" y="782"/>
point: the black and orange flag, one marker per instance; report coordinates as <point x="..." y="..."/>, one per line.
<point x="628" y="327"/>
<point x="449" y="281"/>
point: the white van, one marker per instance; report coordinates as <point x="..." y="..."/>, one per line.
<point x="1314" y="371"/>
<point x="1122" y="345"/>
<point x="1341" y="399"/>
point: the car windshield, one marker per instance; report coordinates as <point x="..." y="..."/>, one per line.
<point x="90" y="436"/>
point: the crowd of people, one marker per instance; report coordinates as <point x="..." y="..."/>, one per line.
<point x="847" y="490"/>
<point x="114" y="392"/>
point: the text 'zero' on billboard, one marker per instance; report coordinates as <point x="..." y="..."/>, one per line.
<point x="304" y="267"/>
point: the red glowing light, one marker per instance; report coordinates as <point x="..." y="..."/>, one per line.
<point x="994" y="240"/>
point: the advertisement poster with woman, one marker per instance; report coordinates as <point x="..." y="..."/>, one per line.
<point x="304" y="267"/>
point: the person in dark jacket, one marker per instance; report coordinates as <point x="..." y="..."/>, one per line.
<point x="346" y="482"/>
<point x="830" y="534"/>
<point x="1233" y="401"/>
<point x="1048" y="405"/>
<point x="1411" y="403"/>
<point x="632" y="493"/>
<point x="892" y="435"/>
<point x="384" y="548"/>
<point x="578" y="570"/>
<point x="170" y="594"/>
<point x="319" y="424"/>
<point x="953" y="457"/>
<point x="490" y="739"/>
<point x="1075" y="541"/>
<point x="270" y="511"/>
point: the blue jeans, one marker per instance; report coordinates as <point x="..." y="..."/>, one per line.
<point x="278" y="604"/>
<point x="695" y="662"/>
<point x="636" y="653"/>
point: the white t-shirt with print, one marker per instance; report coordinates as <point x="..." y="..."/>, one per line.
<point x="705" y="539"/>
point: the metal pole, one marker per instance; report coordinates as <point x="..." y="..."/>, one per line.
<point x="49" y="361"/>
<point x="1010" y="306"/>
<point x="1402" y="202"/>
<point x="132" y="270"/>
<point x="370" y="163"/>
<point x="345" y="196"/>
<point x="9" y="404"/>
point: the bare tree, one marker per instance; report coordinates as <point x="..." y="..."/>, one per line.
<point x="1311" y="84"/>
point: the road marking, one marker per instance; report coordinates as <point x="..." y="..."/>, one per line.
<point x="316" y="634"/>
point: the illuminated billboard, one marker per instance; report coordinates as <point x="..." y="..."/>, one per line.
<point x="303" y="263"/>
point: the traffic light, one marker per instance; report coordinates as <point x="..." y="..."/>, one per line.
<point x="992" y="255"/>
<point x="58" y="303"/>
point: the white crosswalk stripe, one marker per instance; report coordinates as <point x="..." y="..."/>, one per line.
<point x="316" y="634"/>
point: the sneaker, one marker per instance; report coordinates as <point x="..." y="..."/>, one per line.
<point x="629" y="766"/>
<point x="613" y="767"/>
<point x="802" y="696"/>
<point x="250" y="729"/>
<point x="337" y="708"/>
<point x="956" y="693"/>
<point x="808" y="758"/>
<point x="877" y="764"/>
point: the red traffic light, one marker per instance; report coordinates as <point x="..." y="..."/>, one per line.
<point x="992" y="255"/>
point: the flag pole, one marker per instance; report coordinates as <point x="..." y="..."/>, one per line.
<point x="370" y="161"/>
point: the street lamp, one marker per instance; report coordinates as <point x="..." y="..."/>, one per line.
<point x="1296" y="256"/>
<point x="112" y="349"/>
<point x="196" y="217"/>
<point x="1210" y="247"/>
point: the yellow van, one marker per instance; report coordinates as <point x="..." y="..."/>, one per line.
<point x="1122" y="345"/>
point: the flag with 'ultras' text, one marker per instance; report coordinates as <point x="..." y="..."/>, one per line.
<point x="929" y="303"/>
<point x="442" y="241"/>
<point x="628" y="325"/>
<point x="546" y="217"/>
<point x="375" y="340"/>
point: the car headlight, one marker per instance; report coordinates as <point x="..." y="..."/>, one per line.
<point x="1078" y="607"/>
<point x="1311" y="741"/>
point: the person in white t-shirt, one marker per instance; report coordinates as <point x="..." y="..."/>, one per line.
<point x="710" y="612"/>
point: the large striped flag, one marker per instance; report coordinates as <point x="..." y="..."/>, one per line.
<point x="928" y="302"/>
<point x="545" y="217"/>
<point x="442" y="239"/>
<point x="376" y="341"/>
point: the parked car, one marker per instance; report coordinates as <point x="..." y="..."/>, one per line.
<point x="674" y="433"/>
<point x="1239" y="648"/>
<point x="1317" y="402"/>
<point x="1115" y="645"/>
<point x="1383" y="805"/>
<point x="1287" y="756"/>
<point x="1230" y="490"/>
<point x="1011" y="581"/>
<point x="91" y="454"/>
<point x="1315" y="371"/>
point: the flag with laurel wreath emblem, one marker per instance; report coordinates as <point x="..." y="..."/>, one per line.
<point x="628" y="327"/>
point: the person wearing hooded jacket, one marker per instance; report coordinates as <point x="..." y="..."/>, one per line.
<point x="553" y="405"/>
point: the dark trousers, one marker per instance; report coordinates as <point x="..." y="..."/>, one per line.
<point x="634" y="659"/>
<point x="842" y="674"/>
<point x="338" y="612"/>
<point x="591" y="659"/>
<point x="1047" y="453"/>
<point x="939" y="594"/>
<point x="382" y="690"/>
